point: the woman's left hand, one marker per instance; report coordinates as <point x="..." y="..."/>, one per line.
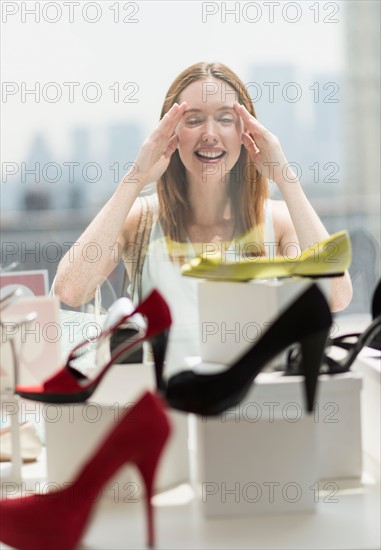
<point x="264" y="148"/>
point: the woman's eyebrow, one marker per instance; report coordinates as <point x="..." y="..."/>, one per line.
<point x="194" y="110"/>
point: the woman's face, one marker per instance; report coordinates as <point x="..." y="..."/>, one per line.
<point x="210" y="131"/>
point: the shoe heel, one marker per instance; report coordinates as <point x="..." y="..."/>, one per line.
<point x="147" y="468"/>
<point x="14" y="352"/>
<point x="312" y="348"/>
<point x="150" y="518"/>
<point x="159" y="347"/>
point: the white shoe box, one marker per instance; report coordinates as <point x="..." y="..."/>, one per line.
<point x="338" y="420"/>
<point x="368" y="365"/>
<point x="267" y="455"/>
<point x="233" y="315"/>
<point x="74" y="431"/>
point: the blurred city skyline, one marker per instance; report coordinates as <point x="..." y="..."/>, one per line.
<point x="89" y="176"/>
<point x="147" y="56"/>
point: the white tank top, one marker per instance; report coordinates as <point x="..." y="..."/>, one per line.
<point x="180" y="292"/>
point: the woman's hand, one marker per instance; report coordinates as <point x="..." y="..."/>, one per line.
<point x="264" y="148"/>
<point x="156" y="151"/>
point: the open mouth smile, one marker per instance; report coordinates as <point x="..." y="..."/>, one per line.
<point x="210" y="156"/>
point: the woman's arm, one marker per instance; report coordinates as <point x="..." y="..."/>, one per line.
<point x="296" y="221"/>
<point x="98" y="250"/>
<point x="304" y="228"/>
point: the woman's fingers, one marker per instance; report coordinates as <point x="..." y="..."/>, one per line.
<point x="265" y="141"/>
<point x="172" y="146"/>
<point x="162" y="141"/>
<point x="250" y="122"/>
<point x="250" y="144"/>
<point x="243" y="112"/>
<point x="170" y="120"/>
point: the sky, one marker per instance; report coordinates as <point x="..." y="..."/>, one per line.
<point x="143" y="45"/>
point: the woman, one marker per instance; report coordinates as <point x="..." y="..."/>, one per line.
<point x="212" y="160"/>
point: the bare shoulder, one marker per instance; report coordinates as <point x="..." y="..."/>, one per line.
<point x="131" y="224"/>
<point x="281" y="218"/>
<point x="279" y="209"/>
<point x="133" y="220"/>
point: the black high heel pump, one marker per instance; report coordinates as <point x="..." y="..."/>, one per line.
<point x="371" y="337"/>
<point x="307" y="320"/>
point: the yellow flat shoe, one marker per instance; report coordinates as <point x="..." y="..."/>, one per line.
<point x="327" y="258"/>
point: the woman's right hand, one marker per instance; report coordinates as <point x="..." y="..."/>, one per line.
<point x="156" y="151"/>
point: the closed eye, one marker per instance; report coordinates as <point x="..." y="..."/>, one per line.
<point x="193" y="121"/>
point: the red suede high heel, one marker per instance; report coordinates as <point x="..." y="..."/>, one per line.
<point x="58" y="519"/>
<point x="70" y="386"/>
